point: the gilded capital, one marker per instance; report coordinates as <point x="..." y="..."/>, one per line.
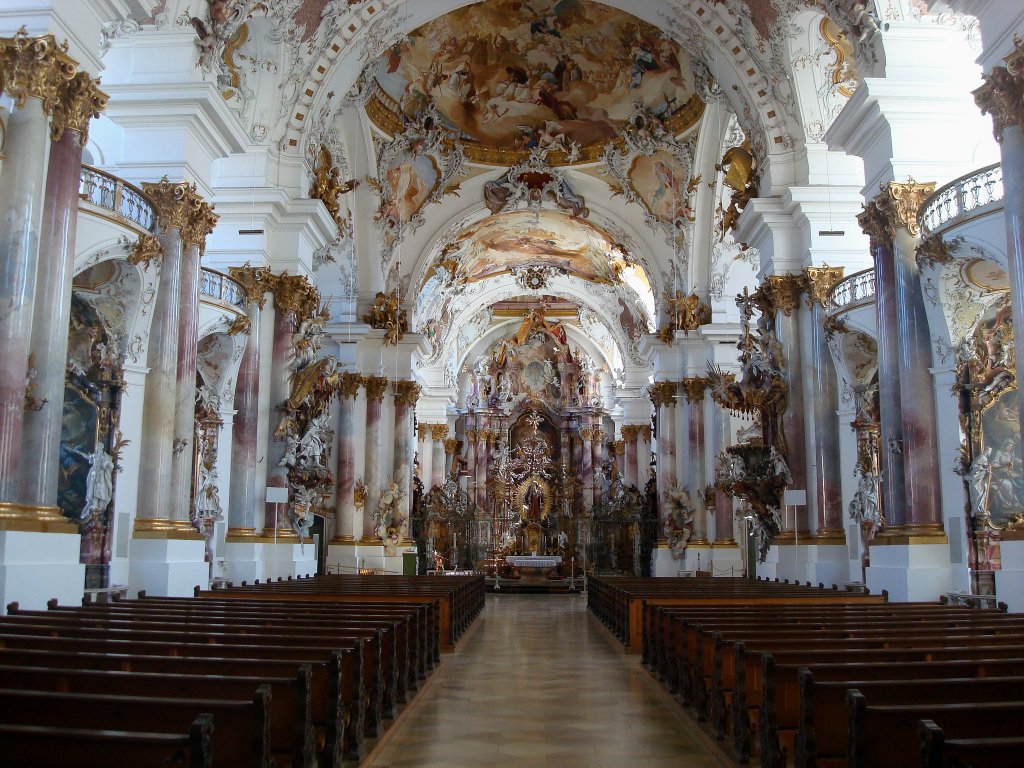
<point x="350" y="383"/>
<point x="630" y="432"/>
<point x="876" y="221"/>
<point x="781" y="293"/>
<point x="932" y="250"/>
<point x="663" y="393"/>
<point x="645" y="433"/>
<point x="907" y="199"/>
<point x="587" y="433"/>
<point x="376" y="386"/>
<point x="257" y="281"/>
<point x="693" y="388"/>
<point x="620" y="447"/>
<point x="35" y="67"/>
<point x="144" y="250"/>
<point x="406" y="392"/>
<point x="294" y="294"/>
<point x="819" y="282"/>
<point x="438" y="431"/>
<point x="421" y="431"/>
<point x="1002" y="95"/>
<point x="471" y="435"/>
<point x="179" y="205"/>
<point x="79" y="101"/>
<point x="451" y="445"/>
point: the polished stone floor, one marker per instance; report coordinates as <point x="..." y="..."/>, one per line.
<point x="538" y="682"/>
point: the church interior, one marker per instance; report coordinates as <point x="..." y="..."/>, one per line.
<point x="538" y="296"/>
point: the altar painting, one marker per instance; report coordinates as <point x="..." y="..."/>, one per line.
<point x="660" y="182"/>
<point x="1000" y="433"/>
<point x="78" y="435"/>
<point x="514" y="74"/>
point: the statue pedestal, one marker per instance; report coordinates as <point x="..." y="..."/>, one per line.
<point x="38" y="566"/>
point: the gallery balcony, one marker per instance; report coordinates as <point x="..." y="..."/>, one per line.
<point x="970" y="206"/>
<point x="852" y="300"/>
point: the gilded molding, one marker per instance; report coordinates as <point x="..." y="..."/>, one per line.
<point x="932" y="250"/>
<point x="406" y="392"/>
<point x="1002" y="95"/>
<point x="663" y="393"/>
<point x="376" y="386"/>
<point x="438" y="431"/>
<point x="144" y="250"/>
<point x="819" y="282"/>
<point x="907" y="199"/>
<point x="327" y="187"/>
<point x="387" y="314"/>
<point x="694" y="387"/>
<point x="257" y="281"/>
<point x="350" y="383"/>
<point x="241" y="325"/>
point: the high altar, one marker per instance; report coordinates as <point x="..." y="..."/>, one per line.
<point x="537" y="473"/>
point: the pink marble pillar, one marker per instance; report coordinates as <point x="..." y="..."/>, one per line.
<point x="824" y="389"/>
<point x="630" y="432"/>
<point x="693" y="388"/>
<point x="438" y="433"/>
<point x="375" y="389"/>
<point x="244" y="502"/>
<point x="587" y="464"/>
<point x="22" y="191"/>
<point x="875" y="222"/>
<point x="345" y="509"/>
<point x="663" y="395"/>
<point x="643" y="455"/>
<point x="285" y="325"/>
<point x="597" y="462"/>
<point x="52" y="312"/>
<point x="185" y="384"/>
<point x="724" y="517"/>
<point x="406" y="394"/>
<point x="483" y="455"/>
<point x="471" y="460"/>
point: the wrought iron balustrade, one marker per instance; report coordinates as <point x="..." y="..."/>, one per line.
<point x="117" y="196"/>
<point x="962" y="199"/>
<point x="857" y="289"/>
<point x="217" y="285"/>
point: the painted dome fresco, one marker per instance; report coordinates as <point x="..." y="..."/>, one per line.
<point x="515" y="74"/>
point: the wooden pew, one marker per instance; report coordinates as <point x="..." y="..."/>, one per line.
<point x="34" y="746"/>
<point x="243" y="733"/>
<point x="823" y="737"/>
<point x="940" y="751"/>
<point x="290" y="733"/>
<point x="887" y="736"/>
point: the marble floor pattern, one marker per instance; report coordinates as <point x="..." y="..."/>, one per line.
<point x="538" y="682"/>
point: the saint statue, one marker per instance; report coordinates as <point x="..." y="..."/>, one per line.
<point x="99" y="483"/>
<point x="533" y="501"/>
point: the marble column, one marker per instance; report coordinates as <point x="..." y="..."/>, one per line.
<point x="482" y="456"/>
<point x="724" y="518"/>
<point x="451" y="446"/>
<point x="50" y="322"/>
<point x="438" y="433"/>
<point x="693" y="388"/>
<point x="471" y="461"/>
<point x="643" y="456"/>
<point x="244" y="504"/>
<point x="158" y="495"/>
<point x="1002" y="96"/>
<point x="824" y="395"/>
<point x="663" y="395"/>
<point x="587" y="465"/>
<point x="780" y="299"/>
<point x="423" y="453"/>
<point x="630" y="432"/>
<point x="875" y="222"/>
<point x="375" y="386"/>
<point x="406" y="394"/>
<point x="598" y="447"/>
<point x="294" y="301"/>
<point x="345" y="507"/>
<point x="22" y="191"/>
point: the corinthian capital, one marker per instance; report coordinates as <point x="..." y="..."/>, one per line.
<point x="35" y="67"/>
<point x="179" y="205"/>
<point x="907" y="201"/>
<point x="1002" y="95"/>
<point x="406" y="393"/>
<point x="376" y="386"/>
<point x="693" y="388"/>
<point x="256" y="281"/>
<point x="295" y="294"/>
<point x="663" y="393"/>
<point x="819" y="282"/>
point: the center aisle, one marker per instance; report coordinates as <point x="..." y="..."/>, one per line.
<point x="539" y="683"/>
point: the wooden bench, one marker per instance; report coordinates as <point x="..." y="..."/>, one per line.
<point x="34" y="746"/>
<point x="940" y="751"/>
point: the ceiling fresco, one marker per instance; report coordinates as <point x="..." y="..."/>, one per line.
<point x="516" y="74"/>
<point x="505" y="242"/>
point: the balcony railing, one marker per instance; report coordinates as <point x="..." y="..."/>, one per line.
<point x="963" y="199"/>
<point x="853" y="291"/>
<point x="216" y="285"/>
<point x="118" y="196"/>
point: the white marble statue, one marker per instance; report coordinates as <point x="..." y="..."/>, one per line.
<point x="99" y="483"/>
